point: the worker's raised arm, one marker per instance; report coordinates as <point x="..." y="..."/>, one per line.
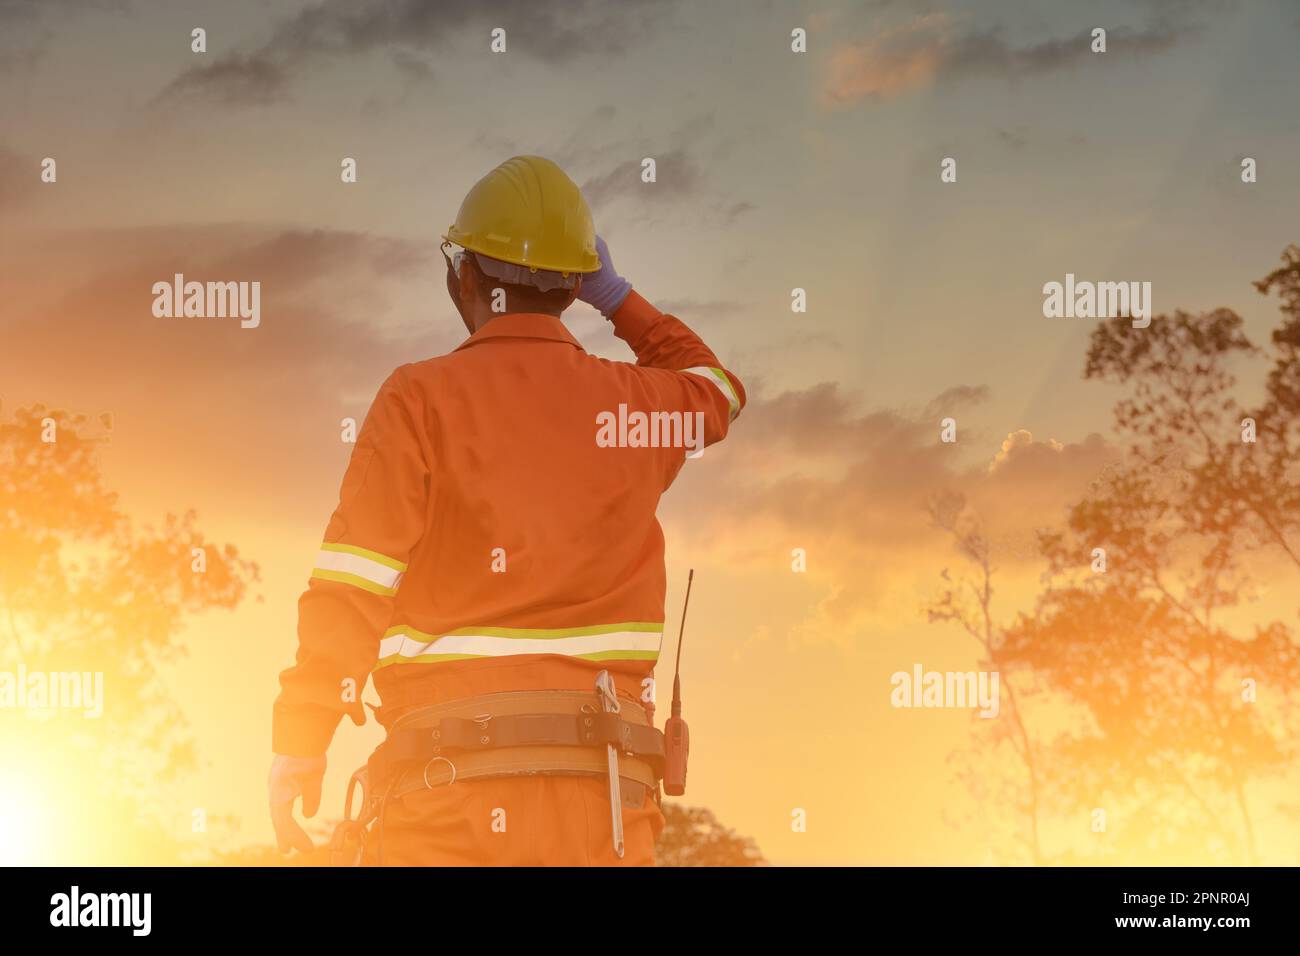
<point x="358" y="570"/>
<point x="663" y="341"/>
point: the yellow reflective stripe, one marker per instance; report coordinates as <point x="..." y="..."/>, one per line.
<point x="632" y="640"/>
<point x="425" y="659"/>
<point x="374" y="556"/>
<point x="442" y="658"/>
<point x="368" y="570"/>
<point x="720" y="381"/>
<point x="649" y="627"/>
<point x="342" y="577"/>
<point x="620" y="656"/>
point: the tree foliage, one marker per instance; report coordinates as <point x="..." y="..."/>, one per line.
<point x="693" y="837"/>
<point x="1165" y="699"/>
<point x="84" y="589"/>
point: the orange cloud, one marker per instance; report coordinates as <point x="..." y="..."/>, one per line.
<point x="932" y="48"/>
<point x="1029" y="484"/>
<point x="195" y="402"/>
<point x="889" y="63"/>
<point x="807" y="469"/>
<point x="1021" y="438"/>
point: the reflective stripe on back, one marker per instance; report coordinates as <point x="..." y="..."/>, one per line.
<point x="637" y="641"/>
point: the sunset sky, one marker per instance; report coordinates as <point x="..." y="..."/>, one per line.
<point x="776" y="170"/>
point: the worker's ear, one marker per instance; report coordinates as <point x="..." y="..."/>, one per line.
<point x="573" y="296"/>
<point x="469" y="279"/>
<point x="453" y="290"/>
<point x="453" y="285"/>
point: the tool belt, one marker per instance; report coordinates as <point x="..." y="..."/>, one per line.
<point x="506" y="734"/>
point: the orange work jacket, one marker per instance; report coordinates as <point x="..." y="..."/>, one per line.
<point x="496" y="526"/>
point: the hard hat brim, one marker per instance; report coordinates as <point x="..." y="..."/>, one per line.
<point x="453" y="235"/>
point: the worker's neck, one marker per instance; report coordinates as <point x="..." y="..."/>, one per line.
<point x="483" y="320"/>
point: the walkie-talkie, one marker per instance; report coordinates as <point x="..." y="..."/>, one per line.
<point x="677" y="736"/>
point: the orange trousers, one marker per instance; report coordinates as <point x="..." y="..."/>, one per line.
<point x="513" y="821"/>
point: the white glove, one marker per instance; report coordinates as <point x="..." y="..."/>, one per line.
<point x="290" y="778"/>
<point x="604" y="289"/>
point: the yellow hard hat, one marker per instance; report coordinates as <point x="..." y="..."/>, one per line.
<point x="528" y="212"/>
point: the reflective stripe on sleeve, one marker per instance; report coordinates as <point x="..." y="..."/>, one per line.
<point x="723" y="384"/>
<point x="630" y="641"/>
<point x="368" y="570"/>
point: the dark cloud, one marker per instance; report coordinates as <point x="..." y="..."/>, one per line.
<point x="27" y="27"/>
<point x="990" y="53"/>
<point x="195" y="398"/>
<point x="319" y="287"/>
<point x="553" y="32"/>
<point x="732" y="212"/>
<point x="234" y="80"/>
<point x="957" y="398"/>
<point x="22" y="37"/>
<point x="30" y="16"/>
<point x="414" y="67"/>
<point x="933" y="50"/>
<point x="680" y="174"/>
<point x="677" y="176"/>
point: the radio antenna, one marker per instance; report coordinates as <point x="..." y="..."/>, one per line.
<point x="677" y="667"/>
<point x="677" y="736"/>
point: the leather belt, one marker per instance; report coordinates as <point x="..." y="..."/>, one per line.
<point x="637" y="775"/>
<point x="516" y="733"/>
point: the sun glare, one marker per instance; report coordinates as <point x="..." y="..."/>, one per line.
<point x="23" y="823"/>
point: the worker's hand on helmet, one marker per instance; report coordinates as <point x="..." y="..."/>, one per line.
<point x="290" y="778"/>
<point x="604" y="289"/>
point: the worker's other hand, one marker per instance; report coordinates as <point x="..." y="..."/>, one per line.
<point x="290" y="778"/>
<point x="604" y="289"/>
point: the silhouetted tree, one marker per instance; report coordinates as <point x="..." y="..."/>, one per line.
<point x="84" y="589"/>
<point x="1151" y="673"/>
<point x="967" y="600"/>
<point x="693" y="837"/>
